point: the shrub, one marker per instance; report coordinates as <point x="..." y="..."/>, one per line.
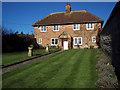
<point x="77" y="45"/>
<point x="52" y="46"/>
<point x="41" y="47"/>
<point x="91" y="47"/>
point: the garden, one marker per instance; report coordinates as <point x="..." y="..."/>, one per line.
<point x="75" y="68"/>
<point x="15" y="57"/>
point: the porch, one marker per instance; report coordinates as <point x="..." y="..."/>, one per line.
<point x="65" y="41"/>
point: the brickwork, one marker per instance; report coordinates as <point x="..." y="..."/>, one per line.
<point x="83" y="32"/>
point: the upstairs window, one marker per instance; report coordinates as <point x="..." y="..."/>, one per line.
<point x="40" y="40"/>
<point x="43" y="28"/>
<point x="75" y="26"/>
<point x="77" y="40"/>
<point x="55" y="28"/>
<point x="90" y="26"/>
<point x="94" y="39"/>
<point x="54" y="41"/>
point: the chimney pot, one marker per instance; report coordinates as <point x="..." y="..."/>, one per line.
<point x="68" y="4"/>
<point x="68" y="8"/>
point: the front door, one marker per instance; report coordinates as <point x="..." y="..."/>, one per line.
<point x="65" y="45"/>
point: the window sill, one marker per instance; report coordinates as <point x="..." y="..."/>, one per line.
<point x="55" y="30"/>
<point x="76" y="29"/>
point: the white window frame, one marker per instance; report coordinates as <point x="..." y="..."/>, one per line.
<point x="77" y="41"/>
<point x="54" y="42"/>
<point x="78" y="27"/>
<point x="89" y="27"/>
<point x="93" y="40"/>
<point x="43" y="30"/>
<point x="54" y="28"/>
<point x="39" y="40"/>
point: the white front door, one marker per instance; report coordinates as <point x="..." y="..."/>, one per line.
<point x="65" y="45"/>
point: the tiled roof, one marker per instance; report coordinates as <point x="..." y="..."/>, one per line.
<point x="68" y="18"/>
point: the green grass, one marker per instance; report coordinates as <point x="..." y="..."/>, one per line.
<point x="13" y="57"/>
<point x="68" y="69"/>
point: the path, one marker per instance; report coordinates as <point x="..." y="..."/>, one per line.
<point x="12" y="67"/>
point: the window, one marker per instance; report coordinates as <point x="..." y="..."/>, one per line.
<point x="93" y="39"/>
<point x="54" y="41"/>
<point x="55" y="28"/>
<point x="75" y="26"/>
<point x="77" y="40"/>
<point x="43" y="28"/>
<point x="40" y="41"/>
<point x="90" y="26"/>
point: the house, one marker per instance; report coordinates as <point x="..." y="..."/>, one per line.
<point x="68" y="29"/>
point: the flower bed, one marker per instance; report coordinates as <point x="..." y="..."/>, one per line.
<point x="107" y="77"/>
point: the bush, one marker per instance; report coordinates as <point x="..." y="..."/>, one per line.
<point x="91" y="47"/>
<point x="52" y="46"/>
<point x="41" y="47"/>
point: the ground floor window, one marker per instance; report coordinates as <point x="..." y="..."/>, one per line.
<point x="54" y="41"/>
<point x="40" y="40"/>
<point x="93" y="39"/>
<point x="77" y="40"/>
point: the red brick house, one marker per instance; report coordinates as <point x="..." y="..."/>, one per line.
<point x="68" y="29"/>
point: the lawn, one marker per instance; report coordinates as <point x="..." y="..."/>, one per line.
<point x="13" y="57"/>
<point x="67" y="69"/>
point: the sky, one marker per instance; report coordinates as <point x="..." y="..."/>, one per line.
<point x="18" y="16"/>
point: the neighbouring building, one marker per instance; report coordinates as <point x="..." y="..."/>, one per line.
<point x="68" y="29"/>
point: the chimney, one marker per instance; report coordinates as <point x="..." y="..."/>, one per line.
<point x="68" y="8"/>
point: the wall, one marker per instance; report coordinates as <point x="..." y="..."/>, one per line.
<point x="85" y="34"/>
<point x="110" y="38"/>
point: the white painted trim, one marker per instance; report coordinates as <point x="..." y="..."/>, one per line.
<point x="55" y="30"/>
<point x="43" y="31"/>
<point x="95" y="39"/>
<point x="77" y="39"/>
<point x="78" y="26"/>
<point x="89" y="28"/>
<point x="39" y="40"/>
<point x="54" y="42"/>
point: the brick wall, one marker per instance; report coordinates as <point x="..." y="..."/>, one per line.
<point x="83" y="32"/>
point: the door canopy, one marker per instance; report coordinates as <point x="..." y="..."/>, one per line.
<point x="64" y="34"/>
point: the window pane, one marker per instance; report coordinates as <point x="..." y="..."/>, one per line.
<point x="94" y="39"/>
<point x="41" y="28"/>
<point x="52" y="41"/>
<point x="54" y="27"/>
<point x="88" y="25"/>
<point x="79" y="40"/>
<point x="77" y="26"/>
<point x="75" y="40"/>
<point x="40" y="40"/>
<point x="91" y="25"/>
<point x="73" y="26"/>
<point x="44" y="28"/>
<point x="57" y="27"/>
<point x="56" y="41"/>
